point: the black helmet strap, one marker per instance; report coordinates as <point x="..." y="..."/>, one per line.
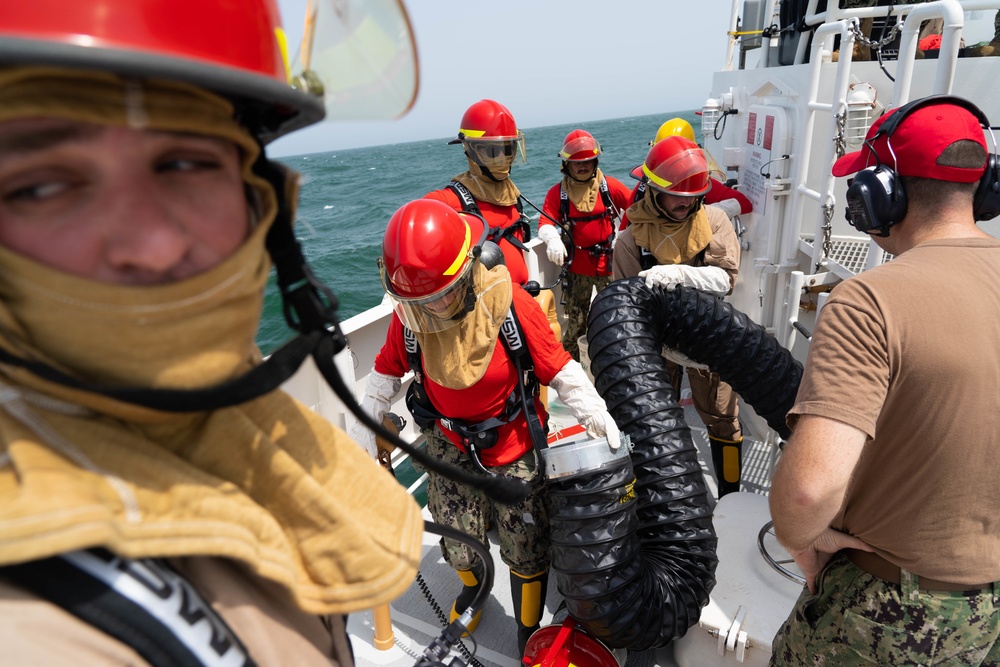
<point x="310" y="307"/>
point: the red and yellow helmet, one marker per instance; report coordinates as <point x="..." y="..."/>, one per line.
<point x="487" y="120"/>
<point x="236" y="49"/>
<point x="489" y="134"/>
<point x="677" y="166"/>
<point x="428" y="253"/>
<point x="579" y="146"/>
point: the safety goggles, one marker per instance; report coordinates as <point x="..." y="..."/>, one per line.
<point x="495" y="153"/>
<point x="494" y="150"/>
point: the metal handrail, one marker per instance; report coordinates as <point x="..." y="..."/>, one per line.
<point x="777" y="565"/>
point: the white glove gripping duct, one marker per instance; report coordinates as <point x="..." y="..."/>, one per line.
<point x="379" y="394"/>
<point x="731" y="207"/>
<point x="578" y="393"/>
<point x="709" y="279"/>
<point x="554" y="247"/>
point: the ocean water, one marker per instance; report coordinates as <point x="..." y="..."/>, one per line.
<point x="348" y="196"/>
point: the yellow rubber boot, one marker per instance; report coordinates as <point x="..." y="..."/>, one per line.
<point x="472" y="580"/>
<point x="727" y="457"/>
<point x="528" y="595"/>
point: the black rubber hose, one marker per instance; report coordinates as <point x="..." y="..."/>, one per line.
<point x="637" y="574"/>
<point x="704" y="328"/>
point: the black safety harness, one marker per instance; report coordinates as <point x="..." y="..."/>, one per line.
<point x="522" y="225"/>
<point x="610" y="212"/>
<point x="482" y="435"/>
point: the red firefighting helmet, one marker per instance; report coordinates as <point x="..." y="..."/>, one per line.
<point x="489" y="134"/>
<point x="236" y="49"/>
<point x="567" y="645"/>
<point x="487" y="120"/>
<point x="677" y="166"/>
<point x="428" y="252"/>
<point x="579" y="146"/>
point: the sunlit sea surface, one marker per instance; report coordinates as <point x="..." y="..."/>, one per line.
<point x="348" y="196"/>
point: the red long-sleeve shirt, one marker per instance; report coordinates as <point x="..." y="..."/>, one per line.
<point x="588" y="232"/>
<point x="486" y="398"/>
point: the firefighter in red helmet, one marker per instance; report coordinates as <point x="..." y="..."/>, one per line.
<point x="467" y="394"/>
<point x="164" y="502"/>
<point x="674" y="239"/>
<point x="492" y="142"/>
<point x="730" y="200"/>
<point x="578" y="223"/>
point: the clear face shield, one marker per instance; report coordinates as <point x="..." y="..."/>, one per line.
<point x="439" y="311"/>
<point x="580" y="149"/>
<point x="715" y="170"/>
<point x="684" y="174"/>
<point x="496" y="154"/>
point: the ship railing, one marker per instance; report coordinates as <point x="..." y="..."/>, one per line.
<point x="759" y="24"/>
<point x="816" y="243"/>
<point x="952" y="13"/>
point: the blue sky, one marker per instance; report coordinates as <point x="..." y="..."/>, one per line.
<point x="548" y="61"/>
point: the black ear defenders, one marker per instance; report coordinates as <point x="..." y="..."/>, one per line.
<point x="875" y="197"/>
<point x="986" y="203"/>
<point x="875" y="200"/>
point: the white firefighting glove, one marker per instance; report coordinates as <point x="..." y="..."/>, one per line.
<point x="379" y="394"/>
<point x="709" y="279"/>
<point x="579" y="395"/>
<point x="730" y="207"/>
<point x="554" y="247"/>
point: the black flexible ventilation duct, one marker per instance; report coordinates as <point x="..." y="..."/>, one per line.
<point x="636" y="563"/>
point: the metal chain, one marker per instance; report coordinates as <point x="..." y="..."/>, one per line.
<point x="827" y="233"/>
<point x="855" y="28"/>
<point x="840" y="139"/>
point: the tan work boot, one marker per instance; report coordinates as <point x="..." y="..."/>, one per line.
<point x="991" y="49"/>
<point x="861" y="52"/>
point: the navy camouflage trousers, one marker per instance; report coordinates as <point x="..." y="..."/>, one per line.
<point x="577" y="294"/>
<point x="859" y="619"/>
<point x="523" y="528"/>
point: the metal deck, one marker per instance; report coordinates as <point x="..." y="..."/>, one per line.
<point x="419" y="615"/>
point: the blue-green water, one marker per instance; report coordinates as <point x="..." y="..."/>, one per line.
<point x="348" y="196"/>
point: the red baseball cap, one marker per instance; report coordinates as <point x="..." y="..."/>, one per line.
<point x="917" y="143"/>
